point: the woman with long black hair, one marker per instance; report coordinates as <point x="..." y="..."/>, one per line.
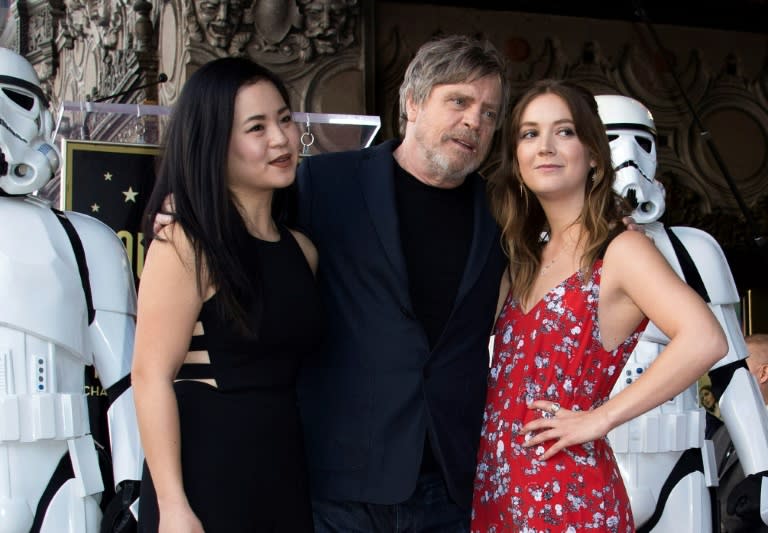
<point x="227" y="311"/>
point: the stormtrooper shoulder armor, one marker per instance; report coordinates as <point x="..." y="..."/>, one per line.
<point x="711" y="264"/>
<point x="109" y="270"/>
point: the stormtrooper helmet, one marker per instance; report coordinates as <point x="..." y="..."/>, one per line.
<point x="27" y="157"/>
<point x="632" y="134"/>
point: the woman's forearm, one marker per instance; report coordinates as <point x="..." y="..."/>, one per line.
<point x="158" y="417"/>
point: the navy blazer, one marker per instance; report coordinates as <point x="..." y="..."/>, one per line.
<point x="369" y="399"/>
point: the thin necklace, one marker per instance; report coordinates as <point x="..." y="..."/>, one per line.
<point x="551" y="262"/>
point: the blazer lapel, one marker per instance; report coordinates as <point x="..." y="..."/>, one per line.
<point x="485" y="235"/>
<point x="376" y="177"/>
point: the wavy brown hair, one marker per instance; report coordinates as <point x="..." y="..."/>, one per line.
<point x="518" y="211"/>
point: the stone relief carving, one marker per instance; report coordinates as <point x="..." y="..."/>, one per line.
<point x="40" y="29"/>
<point x="104" y="46"/>
<point x="224" y="25"/>
<point x="36" y="37"/>
<point x="328" y="25"/>
<point x="303" y="40"/>
<point x="100" y="22"/>
<point x="592" y="69"/>
<point x="307" y="30"/>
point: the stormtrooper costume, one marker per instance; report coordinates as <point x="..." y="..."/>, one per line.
<point x="68" y="301"/>
<point x="664" y="459"/>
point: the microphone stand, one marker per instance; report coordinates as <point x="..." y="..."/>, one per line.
<point x="756" y="240"/>
<point x="161" y="78"/>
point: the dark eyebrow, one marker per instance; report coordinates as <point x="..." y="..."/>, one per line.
<point x="253" y="118"/>
<point x="557" y="122"/>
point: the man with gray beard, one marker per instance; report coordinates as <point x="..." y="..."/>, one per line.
<point x="409" y="273"/>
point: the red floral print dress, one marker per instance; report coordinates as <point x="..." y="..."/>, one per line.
<point x="552" y="352"/>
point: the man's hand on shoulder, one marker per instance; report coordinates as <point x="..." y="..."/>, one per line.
<point x="166" y="216"/>
<point x="631" y="225"/>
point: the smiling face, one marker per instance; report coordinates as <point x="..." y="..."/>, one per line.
<point x="263" y="144"/>
<point x="219" y="20"/>
<point x="449" y="134"/>
<point x="552" y="159"/>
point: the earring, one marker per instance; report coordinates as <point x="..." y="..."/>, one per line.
<point x="593" y="178"/>
<point x="522" y="189"/>
<point x="307" y="139"/>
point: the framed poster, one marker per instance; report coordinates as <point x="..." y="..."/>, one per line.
<point x="111" y="182"/>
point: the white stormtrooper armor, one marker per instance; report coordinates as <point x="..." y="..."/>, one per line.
<point x="68" y="301"/>
<point x="666" y="463"/>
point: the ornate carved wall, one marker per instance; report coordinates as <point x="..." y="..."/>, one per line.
<point x="317" y="46"/>
<point x="87" y="49"/>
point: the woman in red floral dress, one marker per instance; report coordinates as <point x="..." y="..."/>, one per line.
<point x="577" y="295"/>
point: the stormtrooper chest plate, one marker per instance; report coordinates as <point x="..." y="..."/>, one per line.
<point x="42" y="293"/>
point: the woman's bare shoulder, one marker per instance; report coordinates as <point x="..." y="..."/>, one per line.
<point x="173" y="248"/>
<point x="629" y="246"/>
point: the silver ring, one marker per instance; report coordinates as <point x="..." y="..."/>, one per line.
<point x="554" y="408"/>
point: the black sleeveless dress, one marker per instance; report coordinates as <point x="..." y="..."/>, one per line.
<point x="242" y="454"/>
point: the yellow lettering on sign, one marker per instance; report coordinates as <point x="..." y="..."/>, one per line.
<point x="134" y="246"/>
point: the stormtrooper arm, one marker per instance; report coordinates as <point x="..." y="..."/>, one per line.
<point x="112" y="340"/>
<point x="111" y="335"/>
<point x="744" y="415"/>
<point x="741" y="404"/>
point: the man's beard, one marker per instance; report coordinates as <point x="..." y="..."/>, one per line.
<point x="455" y="168"/>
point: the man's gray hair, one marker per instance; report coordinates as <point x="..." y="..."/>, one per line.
<point x="452" y="59"/>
